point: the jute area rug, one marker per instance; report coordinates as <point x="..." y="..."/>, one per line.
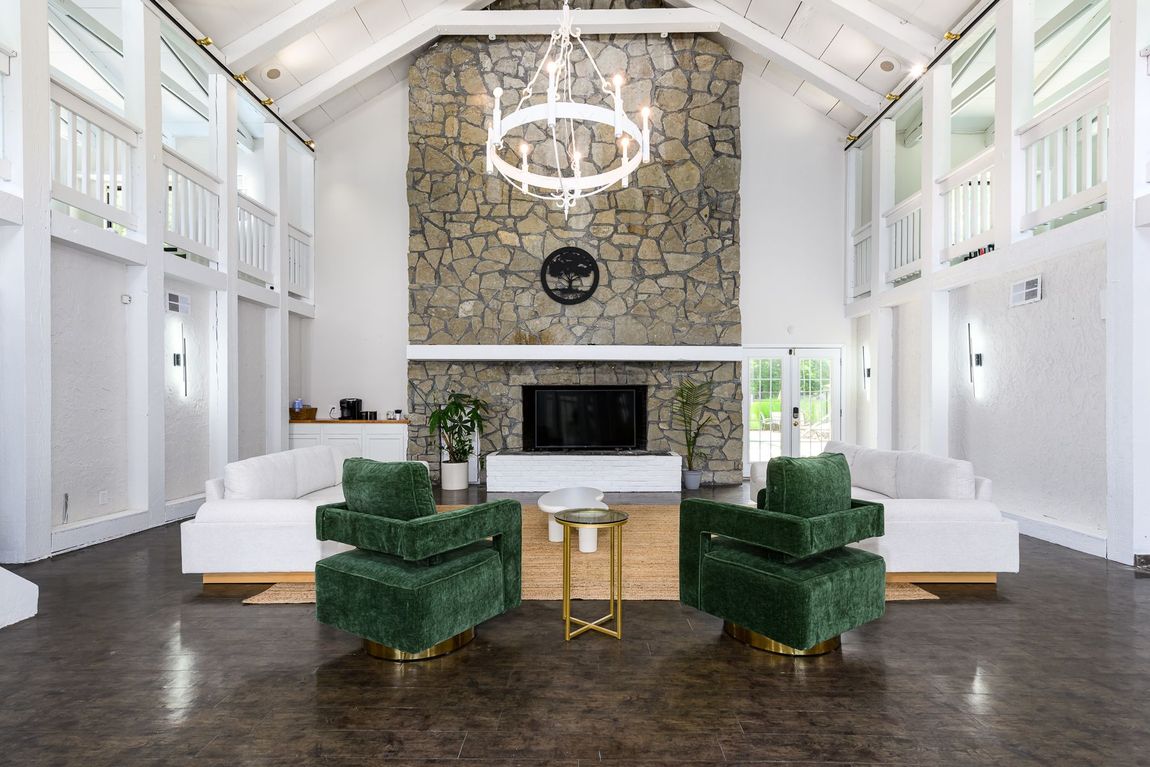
<point x="650" y="563"/>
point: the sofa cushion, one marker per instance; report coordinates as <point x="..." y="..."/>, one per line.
<point x="333" y="494"/>
<point x="862" y="494"/>
<point x="263" y="477"/>
<point x="809" y="487"/>
<point x="876" y="470"/>
<point x="398" y="490"/>
<point x="846" y="448"/>
<point x="280" y="512"/>
<point x="314" y="469"/>
<point x="931" y="476"/>
<point x="900" y="510"/>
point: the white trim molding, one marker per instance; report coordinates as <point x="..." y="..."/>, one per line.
<point x="1061" y="534"/>
<point x="572" y="353"/>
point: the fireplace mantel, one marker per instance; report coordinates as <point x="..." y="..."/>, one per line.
<point x="572" y="353"/>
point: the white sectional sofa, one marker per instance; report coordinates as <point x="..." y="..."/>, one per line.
<point x="258" y="522"/>
<point x="941" y="524"/>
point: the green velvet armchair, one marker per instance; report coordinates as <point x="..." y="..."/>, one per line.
<point x="780" y="575"/>
<point x="418" y="582"/>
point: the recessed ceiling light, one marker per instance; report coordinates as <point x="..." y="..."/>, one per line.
<point x="273" y="73"/>
<point x="886" y="65"/>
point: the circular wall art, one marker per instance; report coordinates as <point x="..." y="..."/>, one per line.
<point x="569" y="275"/>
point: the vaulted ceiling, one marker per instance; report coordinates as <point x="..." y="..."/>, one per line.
<point x="320" y="59"/>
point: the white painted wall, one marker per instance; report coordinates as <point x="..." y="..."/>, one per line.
<point x="907" y="413"/>
<point x="359" y="336"/>
<point x="862" y="350"/>
<point x="299" y="358"/>
<point x="792" y="221"/>
<point x="252" y="379"/>
<point x="1035" y="419"/>
<point x="89" y="385"/>
<point x="186" y="416"/>
<point x="908" y="160"/>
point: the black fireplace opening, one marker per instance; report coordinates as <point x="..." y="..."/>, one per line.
<point x="576" y="418"/>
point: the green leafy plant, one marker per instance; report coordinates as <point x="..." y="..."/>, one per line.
<point x="689" y="411"/>
<point x="456" y="420"/>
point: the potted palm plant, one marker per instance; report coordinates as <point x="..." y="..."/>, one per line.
<point x="689" y="411"/>
<point x="456" y="422"/>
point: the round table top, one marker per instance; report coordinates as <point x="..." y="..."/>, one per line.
<point x="591" y="517"/>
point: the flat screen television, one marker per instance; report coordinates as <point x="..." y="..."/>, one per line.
<point x="585" y="417"/>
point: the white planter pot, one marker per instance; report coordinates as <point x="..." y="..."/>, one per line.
<point x="454" y="476"/>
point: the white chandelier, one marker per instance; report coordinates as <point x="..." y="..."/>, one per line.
<point x="560" y="112"/>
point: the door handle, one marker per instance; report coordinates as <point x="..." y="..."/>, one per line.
<point x="794" y="416"/>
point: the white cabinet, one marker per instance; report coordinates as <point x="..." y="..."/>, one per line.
<point x="377" y="440"/>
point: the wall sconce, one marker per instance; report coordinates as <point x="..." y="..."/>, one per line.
<point x="974" y="358"/>
<point x="865" y="368"/>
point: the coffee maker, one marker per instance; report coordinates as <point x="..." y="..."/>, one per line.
<point x="350" y="409"/>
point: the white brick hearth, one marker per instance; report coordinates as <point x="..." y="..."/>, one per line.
<point x="514" y="472"/>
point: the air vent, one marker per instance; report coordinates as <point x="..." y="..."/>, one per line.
<point x="179" y="303"/>
<point x="1027" y="291"/>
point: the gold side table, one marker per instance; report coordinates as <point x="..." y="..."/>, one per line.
<point x="595" y="519"/>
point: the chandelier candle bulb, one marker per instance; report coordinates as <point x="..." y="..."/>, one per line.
<point x="618" y="106"/>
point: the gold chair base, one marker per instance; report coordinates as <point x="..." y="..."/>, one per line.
<point x="383" y="652"/>
<point x="760" y="642"/>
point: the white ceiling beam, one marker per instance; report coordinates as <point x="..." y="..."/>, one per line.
<point x="590" y="22"/>
<point x="789" y="55"/>
<point x="885" y="28"/>
<point x="263" y="42"/>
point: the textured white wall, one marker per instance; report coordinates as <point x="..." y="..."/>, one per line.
<point x="89" y="385"/>
<point x="253" y="379"/>
<point x="299" y="358"/>
<point x="359" y="336"/>
<point x="1035" y="419"/>
<point x="186" y="416"/>
<point x="793" y="189"/>
<point x="907" y="431"/>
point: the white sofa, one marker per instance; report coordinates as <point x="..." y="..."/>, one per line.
<point x="940" y="522"/>
<point x="258" y="521"/>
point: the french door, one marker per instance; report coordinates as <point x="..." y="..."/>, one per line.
<point x="791" y="401"/>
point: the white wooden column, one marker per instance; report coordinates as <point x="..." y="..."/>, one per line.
<point x="934" y="375"/>
<point x="882" y="317"/>
<point x="25" y="299"/>
<point x="276" y="341"/>
<point x="224" y="428"/>
<point x="851" y="217"/>
<point x="1013" y="106"/>
<point x="145" y="315"/>
<point x="1127" y="282"/>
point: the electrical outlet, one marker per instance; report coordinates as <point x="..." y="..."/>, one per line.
<point x="103" y="498"/>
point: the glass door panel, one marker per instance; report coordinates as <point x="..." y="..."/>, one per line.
<point x="765" y="422"/>
<point x="817" y="403"/>
<point x="792" y="402"/>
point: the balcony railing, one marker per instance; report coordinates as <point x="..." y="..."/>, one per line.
<point x="192" y="210"/>
<point x="860" y="283"/>
<point x="968" y="205"/>
<point x="1066" y="156"/>
<point x="904" y="222"/>
<point x="254" y="228"/>
<point x="299" y="262"/>
<point x="92" y="158"/>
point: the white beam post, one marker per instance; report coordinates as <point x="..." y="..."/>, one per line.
<point x="145" y="316"/>
<point x="1013" y="106"/>
<point x="882" y="317"/>
<point x="934" y="379"/>
<point x="26" y="297"/>
<point x="276" y="341"/>
<point x="224" y="430"/>
<point x="591" y="21"/>
<point x="1127" y="280"/>
<point x="263" y="42"/>
<point x="897" y="34"/>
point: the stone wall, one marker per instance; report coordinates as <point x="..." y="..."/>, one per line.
<point x="667" y="247"/>
<point x="501" y="384"/>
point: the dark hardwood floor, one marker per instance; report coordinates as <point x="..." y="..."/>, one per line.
<point x="131" y="663"/>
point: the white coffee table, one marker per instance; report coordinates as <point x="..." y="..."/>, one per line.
<point x="568" y="498"/>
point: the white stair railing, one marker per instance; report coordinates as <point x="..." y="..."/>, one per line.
<point x="904" y="222"/>
<point x="299" y="262"/>
<point x="192" y="209"/>
<point x="254" y="229"/>
<point x="861" y="267"/>
<point x="92" y="157"/>
<point x="1066" y="156"/>
<point x="968" y="205"/>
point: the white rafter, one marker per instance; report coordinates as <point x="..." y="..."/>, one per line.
<point x="590" y="22"/>
<point x="885" y="28"/>
<point x="789" y="55"/>
<point x="263" y="42"/>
